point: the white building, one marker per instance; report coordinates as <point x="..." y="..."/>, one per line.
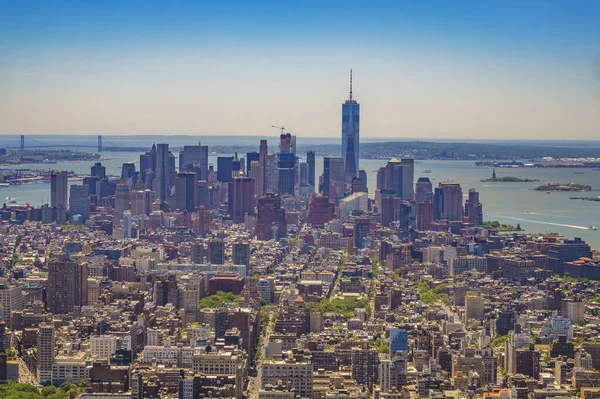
<point x="11" y="299"/>
<point x="103" y="346"/>
<point x="299" y="374"/>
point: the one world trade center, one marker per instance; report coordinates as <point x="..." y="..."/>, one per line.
<point x="350" y="135"/>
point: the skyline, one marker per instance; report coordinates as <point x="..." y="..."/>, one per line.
<point x="494" y="71"/>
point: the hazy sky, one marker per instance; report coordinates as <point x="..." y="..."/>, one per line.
<point x="428" y="69"/>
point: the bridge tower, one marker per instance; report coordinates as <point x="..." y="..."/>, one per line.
<point x="99" y="143"/>
<point x="22" y="142"/>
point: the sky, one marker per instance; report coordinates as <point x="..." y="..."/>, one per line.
<point x="422" y="69"/>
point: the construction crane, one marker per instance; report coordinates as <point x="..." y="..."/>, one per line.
<point x="282" y="128"/>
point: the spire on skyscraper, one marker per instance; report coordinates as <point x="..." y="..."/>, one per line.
<point x="350" y="85"/>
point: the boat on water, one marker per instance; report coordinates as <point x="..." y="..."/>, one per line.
<point x="427" y="171"/>
<point x="577" y="173"/>
<point x="592" y="228"/>
<point x="527" y="212"/>
<point x="4" y="185"/>
<point x="548" y="192"/>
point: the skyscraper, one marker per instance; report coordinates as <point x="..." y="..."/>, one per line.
<point x="287" y="173"/>
<point x="285" y="143"/>
<point x="271" y="174"/>
<point x="216" y="251"/>
<point x="270" y="218"/>
<point x="128" y="172"/>
<point x="241" y="198"/>
<point x="79" y="201"/>
<point x="310" y="160"/>
<point x="424" y="190"/>
<point x="250" y="157"/>
<point x="98" y="170"/>
<point x="350" y="135"/>
<point x="194" y="158"/>
<point x="162" y="172"/>
<point x="262" y="158"/>
<point x="67" y="285"/>
<point x="45" y="348"/>
<point x="448" y="202"/>
<point x="333" y="177"/>
<point x="186" y="191"/>
<point x="224" y="169"/>
<point x="141" y="201"/>
<point x="474" y="209"/>
<point x="58" y="189"/>
<point x="399" y="176"/>
<point x="127" y="224"/>
<point x="121" y="197"/>
<point x="241" y="253"/>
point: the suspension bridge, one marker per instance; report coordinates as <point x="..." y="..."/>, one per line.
<point x="29" y="142"/>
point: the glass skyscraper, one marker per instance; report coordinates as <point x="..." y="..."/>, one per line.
<point x="350" y="135"/>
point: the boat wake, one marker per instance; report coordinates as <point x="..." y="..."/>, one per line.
<point x="572" y="226"/>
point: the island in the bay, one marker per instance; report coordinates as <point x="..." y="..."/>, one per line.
<point x="507" y="179"/>
<point x="563" y="187"/>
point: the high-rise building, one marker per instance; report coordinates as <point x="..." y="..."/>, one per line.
<point x="285" y="143"/>
<point x="186" y="191"/>
<point x="387" y="200"/>
<point x="310" y="160"/>
<point x="216" y="251"/>
<point x="98" y="171"/>
<point x="198" y="253"/>
<point x="365" y="363"/>
<point x="271" y="174"/>
<point x="287" y="173"/>
<point x="448" y="202"/>
<point x="67" y="285"/>
<point x="148" y="163"/>
<point x="262" y="157"/>
<point x="202" y="221"/>
<point x="350" y="135"/>
<point x="237" y="166"/>
<point x="241" y="254"/>
<point x="122" y="197"/>
<point x="128" y="172"/>
<point x="474" y="308"/>
<point x="241" y="198"/>
<point x="361" y="231"/>
<point x="362" y="175"/>
<point x="270" y="220"/>
<point x="424" y="190"/>
<point x="474" y="209"/>
<point x="303" y="174"/>
<point x="399" y="176"/>
<point x="333" y="177"/>
<point x="162" y="172"/>
<point x="424" y="215"/>
<point x="408" y="179"/>
<point x="320" y="211"/>
<point x="194" y="158"/>
<point x="79" y="201"/>
<point x="256" y="173"/>
<point x="567" y="251"/>
<point x="11" y="299"/>
<point x="58" y="189"/>
<point x="224" y="169"/>
<point x="127" y="224"/>
<point x="45" y="350"/>
<point x="398" y="340"/>
<point x="141" y="202"/>
<point x="250" y="157"/>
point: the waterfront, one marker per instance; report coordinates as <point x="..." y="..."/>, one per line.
<point x="511" y="203"/>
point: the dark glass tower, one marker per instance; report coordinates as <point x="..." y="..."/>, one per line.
<point x="350" y="135"/>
